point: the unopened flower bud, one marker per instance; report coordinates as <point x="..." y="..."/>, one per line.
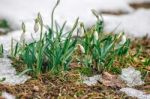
<point x="36" y="26"/>
<point x="81" y="48"/>
<point x="23" y="27"/>
<point x="95" y="13"/>
<point x="82" y="31"/>
<point x="22" y="37"/>
<point x="119" y="35"/>
<point x="123" y="40"/>
<point x="96" y="35"/>
<point x="40" y="19"/>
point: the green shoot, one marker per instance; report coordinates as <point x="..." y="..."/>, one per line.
<point x="1" y="50"/>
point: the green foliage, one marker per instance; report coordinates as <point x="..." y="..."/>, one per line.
<point x="86" y="71"/>
<point x="52" y="52"/>
<point x="102" y="48"/>
<point x="4" y="24"/>
<point x="147" y="62"/>
<point x="1" y="50"/>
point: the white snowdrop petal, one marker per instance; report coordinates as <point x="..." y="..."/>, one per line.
<point x="123" y="40"/>
<point x="96" y="35"/>
<point x="81" y="48"/>
<point x="36" y="27"/>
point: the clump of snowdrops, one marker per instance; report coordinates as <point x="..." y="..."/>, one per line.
<point x="55" y="50"/>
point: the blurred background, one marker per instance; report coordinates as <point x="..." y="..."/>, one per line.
<point x="129" y="16"/>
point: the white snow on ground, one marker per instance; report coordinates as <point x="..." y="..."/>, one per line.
<point x="131" y="76"/>
<point x="8" y="73"/>
<point x="8" y="96"/>
<point x="69" y="10"/>
<point x="135" y="24"/>
<point x="135" y="93"/>
<point x="92" y="80"/>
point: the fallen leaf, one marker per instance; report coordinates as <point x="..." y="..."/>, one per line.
<point x="2" y="97"/>
<point x="111" y="80"/>
<point x="148" y="68"/>
<point x="74" y="65"/>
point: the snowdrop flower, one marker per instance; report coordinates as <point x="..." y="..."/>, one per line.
<point x="81" y="31"/>
<point x="96" y="35"/>
<point x="119" y="35"/>
<point x="36" y="26"/>
<point x="40" y="20"/>
<point x="81" y="48"/>
<point x="22" y="37"/>
<point x="23" y="27"/>
<point x="123" y="40"/>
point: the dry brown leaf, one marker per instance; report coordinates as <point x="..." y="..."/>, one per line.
<point x="146" y="87"/>
<point x="111" y="80"/>
<point x="75" y="65"/>
<point x="2" y="97"/>
<point x="148" y="68"/>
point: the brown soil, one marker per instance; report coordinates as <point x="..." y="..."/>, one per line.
<point x="68" y="85"/>
<point x="113" y="13"/>
<point x="140" y="5"/>
<point x="47" y="86"/>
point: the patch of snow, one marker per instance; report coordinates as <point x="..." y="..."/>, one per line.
<point x="26" y="10"/>
<point x="131" y="76"/>
<point x="92" y="80"/>
<point x="8" y="73"/>
<point x="135" y="93"/>
<point x="8" y="96"/>
<point x="135" y="24"/>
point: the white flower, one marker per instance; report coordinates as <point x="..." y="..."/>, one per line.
<point x="36" y="27"/>
<point x="123" y="40"/>
<point x="23" y="27"/>
<point x="81" y="48"/>
<point x="22" y="37"/>
<point x="81" y="31"/>
<point x="119" y="35"/>
<point x="96" y="35"/>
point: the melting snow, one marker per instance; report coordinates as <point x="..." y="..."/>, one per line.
<point x="92" y="80"/>
<point x="135" y="93"/>
<point x="8" y="96"/>
<point x="131" y="76"/>
<point x="8" y="73"/>
<point x="135" y="24"/>
<point x="26" y="10"/>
